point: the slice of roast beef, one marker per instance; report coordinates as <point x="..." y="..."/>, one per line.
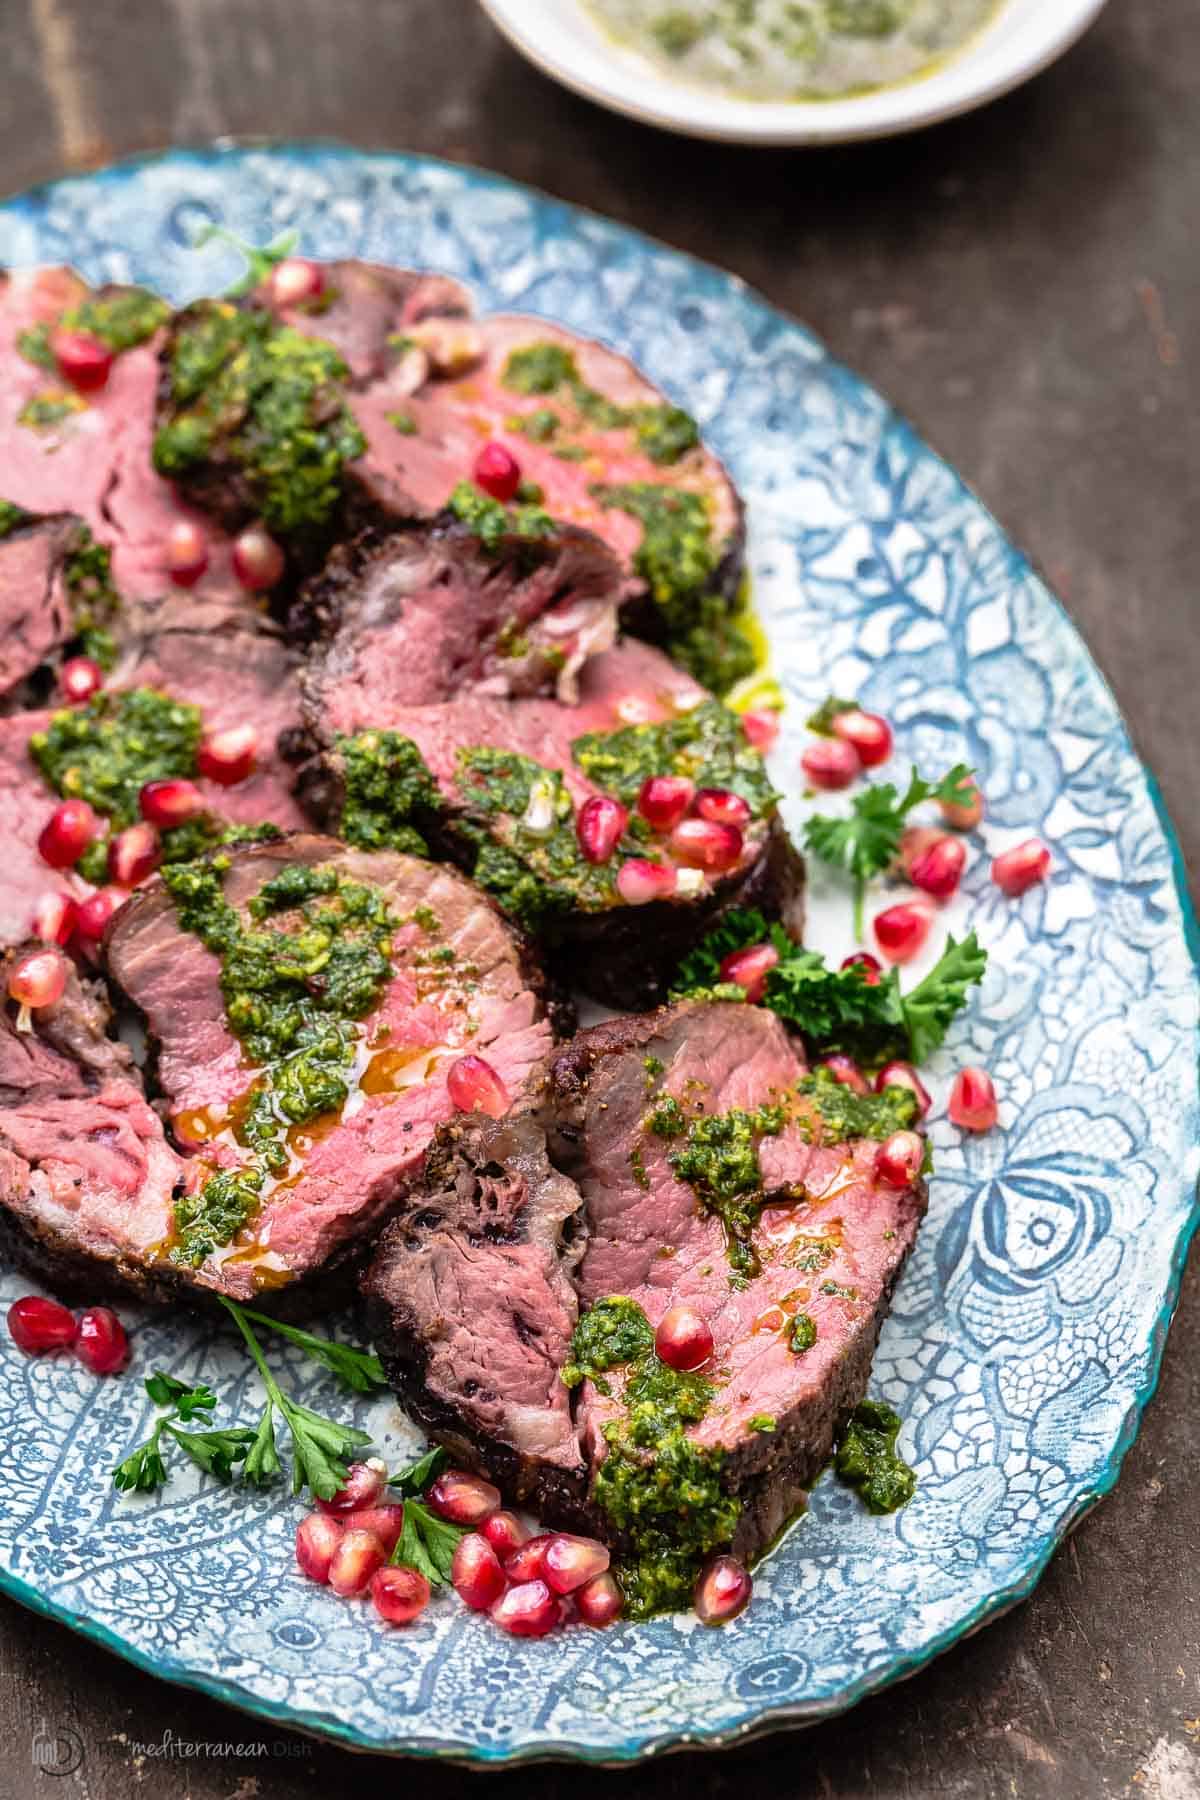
<point x="36" y="613"/>
<point x="370" y="313"/>
<point x="428" y="614"/>
<point x="609" y="453"/>
<point x="829" y="1242"/>
<point x="460" y="984"/>
<point x="622" y="954"/>
<point x="87" y="1178"/>
<point x="471" y="1307"/>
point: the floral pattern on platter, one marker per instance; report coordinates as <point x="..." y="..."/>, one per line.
<point x="1028" y="1327"/>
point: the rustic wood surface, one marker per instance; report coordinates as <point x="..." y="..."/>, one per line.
<point x="1023" y="284"/>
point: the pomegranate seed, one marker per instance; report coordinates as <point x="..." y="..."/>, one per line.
<point x="363" y="1486"/>
<point x="870" y="736"/>
<point x="831" y="763"/>
<point x="400" y="1594"/>
<point x="869" y="966"/>
<point x="570" y="1561"/>
<point x="972" y="1105"/>
<point x="898" y="1160"/>
<point x="80" y="678"/>
<point x="462" y="1498"/>
<point x="474" y="1086"/>
<point x="703" y="844"/>
<point x="901" y="930"/>
<point x="750" y="968"/>
<point x="258" y="561"/>
<point x="599" y="1601"/>
<point x="384" y="1522"/>
<point x="54" y="918"/>
<point x="938" y="868"/>
<point x="168" y="803"/>
<point x="761" y="729"/>
<point x="722" y="807"/>
<point x="35" y="1324"/>
<point x="967" y="816"/>
<point x="38" y="978"/>
<point x="639" y="881"/>
<point x="294" y="280"/>
<point x="497" y="472"/>
<point x="66" y="834"/>
<point x="95" y="912"/>
<point x="354" y="1561"/>
<point x="504" y="1532"/>
<point x="186" y="553"/>
<point x="133" y="855"/>
<point x="527" y="1610"/>
<point x="317" y="1537"/>
<point x="101" y="1344"/>
<point x="227" y="757"/>
<point x="82" y="359"/>
<point x="529" y="1562"/>
<point x="600" y="825"/>
<point x="684" y="1338"/>
<point x="847" y="1071"/>
<point x="664" y="800"/>
<point x="902" y="1074"/>
<point x="1016" y="871"/>
<point x="475" y="1573"/>
<point x="722" y="1591"/>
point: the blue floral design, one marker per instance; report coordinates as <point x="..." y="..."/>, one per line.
<point x="1027" y="1329"/>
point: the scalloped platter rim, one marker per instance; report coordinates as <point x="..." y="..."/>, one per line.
<point x="1028" y="1329"/>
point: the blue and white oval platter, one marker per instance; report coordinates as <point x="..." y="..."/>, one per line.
<point x="1029" y="1325"/>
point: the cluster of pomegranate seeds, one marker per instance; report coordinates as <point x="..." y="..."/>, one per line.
<point x="474" y="1086"/>
<point x="133" y="855"/>
<point x="900" y="931"/>
<point x="902" y="1074"/>
<point x="684" y="1339"/>
<point x="749" y="969"/>
<point x="80" y="678"/>
<point x="97" y="1336"/>
<point x="228" y="757"/>
<point x="497" y="472"/>
<point x="899" y="1158"/>
<point x="54" y="918"/>
<point x="295" y="280"/>
<point x="258" y="561"/>
<point x="186" y="553"/>
<point x="1016" y="871"/>
<point x="599" y="826"/>
<point x="82" y="359"/>
<point x="972" y="1105"/>
<point x="67" y="833"/>
<point x="722" y="1590"/>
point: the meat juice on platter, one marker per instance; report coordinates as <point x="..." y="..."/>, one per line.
<point x="375" y="677"/>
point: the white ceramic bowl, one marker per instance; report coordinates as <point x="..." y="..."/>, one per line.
<point x="564" y="40"/>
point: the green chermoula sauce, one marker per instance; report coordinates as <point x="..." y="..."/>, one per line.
<point x="794" y="49"/>
<point x="844" y="1114"/>
<point x="294" y="995"/>
<point x="387" y="788"/>
<point x="106" y="751"/>
<point x="533" y="873"/>
<point x="866" y="1458"/>
<point x="719" y="1162"/>
<point x="48" y="409"/>
<point x="662" y="432"/>
<point x="95" y="601"/>
<point x="12" y="517"/>
<point x="706" y="744"/>
<point x="661" y="1492"/>
<point x="495" y="524"/>
<point x="120" y="320"/>
<point x="269" y="399"/>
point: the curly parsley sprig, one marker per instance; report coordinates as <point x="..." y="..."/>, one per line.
<point x="866" y="842"/>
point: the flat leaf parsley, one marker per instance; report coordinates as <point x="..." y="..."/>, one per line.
<point x="866" y="842"/>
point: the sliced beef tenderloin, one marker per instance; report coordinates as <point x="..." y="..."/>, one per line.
<point x="607" y="449"/>
<point x="826" y="1238"/>
<point x="87" y="1179"/>
<point x="36" y="613"/>
<point x="373" y="315"/>
<point x="471" y="1308"/>
<point x="620" y="953"/>
<point x="459" y="984"/>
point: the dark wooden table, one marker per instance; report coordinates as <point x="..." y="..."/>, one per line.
<point x="1024" y="285"/>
